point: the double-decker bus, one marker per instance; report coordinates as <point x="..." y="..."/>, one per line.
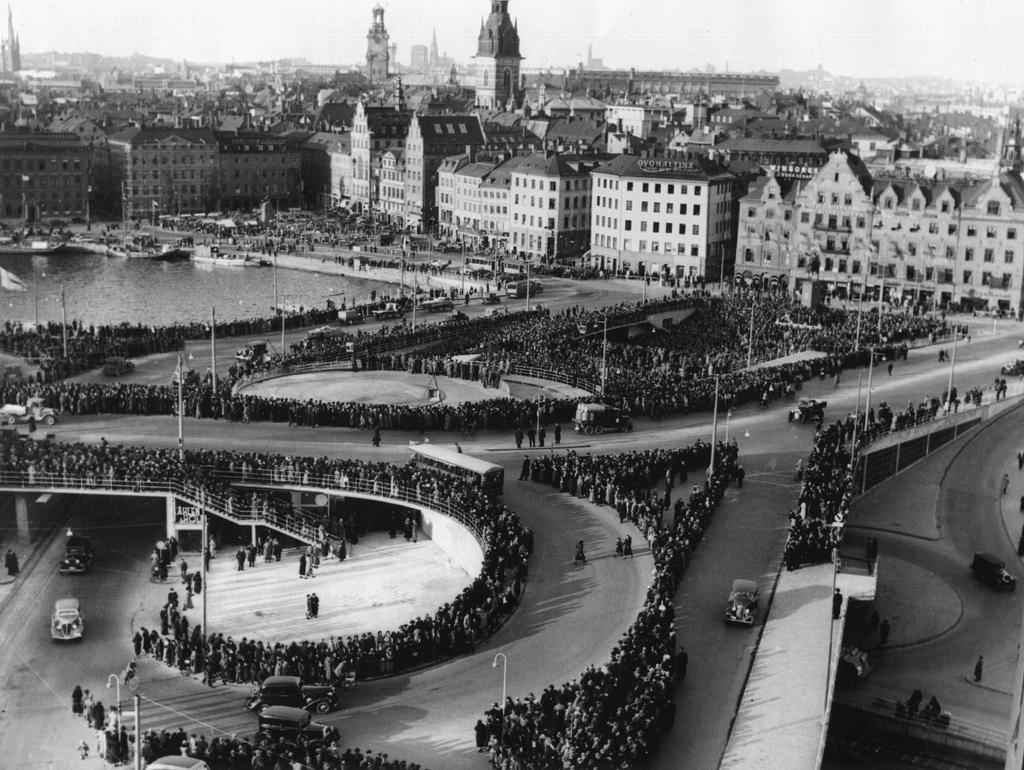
<point x="490" y="478"/>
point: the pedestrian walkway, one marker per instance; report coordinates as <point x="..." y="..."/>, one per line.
<point x="382" y="584"/>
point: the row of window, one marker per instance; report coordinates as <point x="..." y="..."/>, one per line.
<point x="33" y="164"/>
<point x="648" y="247"/>
<point x="65" y="208"/>
<point x="568" y="223"/>
<point x="553" y="184"/>
<point x="570" y="203"/>
<point x="657" y="227"/>
<point x="15" y="183"/>
<point x="605" y="183"/>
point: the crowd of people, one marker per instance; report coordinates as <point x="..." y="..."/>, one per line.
<point x="615" y="715"/>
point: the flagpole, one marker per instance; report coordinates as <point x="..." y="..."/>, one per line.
<point x="213" y="349"/>
<point x="35" y="288"/>
<point x="181" y="412"/>
<point x="64" y="321"/>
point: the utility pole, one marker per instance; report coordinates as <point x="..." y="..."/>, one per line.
<point x="750" y="337"/>
<point x="64" y="320"/>
<point x="181" y="413"/>
<point x="604" y="356"/>
<point x="213" y="350"/>
<point x="138" y="731"/>
<point x="714" y="430"/>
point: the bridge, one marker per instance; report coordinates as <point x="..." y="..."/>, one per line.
<point x="188" y="505"/>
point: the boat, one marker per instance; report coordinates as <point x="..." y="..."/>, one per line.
<point x="212" y="255"/>
<point x="9" y="246"/>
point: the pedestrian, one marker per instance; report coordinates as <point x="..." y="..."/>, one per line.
<point x="309" y="606"/>
<point x="197" y="583"/>
<point x="480" y="731"/>
<point x="883" y="632"/>
<point x="1020" y="460"/>
<point x="251" y="555"/>
<point x="302" y="565"/>
<point x="979" y="668"/>
<point x="1004" y="484"/>
<point x="531" y="434"/>
<point x="799" y="471"/>
<point x="837" y="604"/>
<point x="524" y="474"/>
<point x="188" y="598"/>
<point x="618" y="546"/>
<point x="740" y="473"/>
<point x="889" y="367"/>
<point x="314" y="605"/>
<point x="519" y="438"/>
<point x="541" y="434"/>
<point x="184" y="571"/>
<point x="76" y="700"/>
<point x="240" y="558"/>
<point x="376" y="436"/>
<point x="627" y="546"/>
<point x="11" y="562"/>
<point x="558" y="434"/>
<point x="31" y="423"/>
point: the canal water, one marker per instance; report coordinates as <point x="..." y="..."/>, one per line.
<point x="101" y="290"/>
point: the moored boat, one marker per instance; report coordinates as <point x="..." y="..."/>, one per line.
<point x="212" y="255"/>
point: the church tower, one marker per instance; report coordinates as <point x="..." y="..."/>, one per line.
<point x="432" y="62"/>
<point x="378" y="53"/>
<point x="498" y="50"/>
<point x="10" y="48"/>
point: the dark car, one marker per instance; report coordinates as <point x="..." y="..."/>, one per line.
<point x="991" y="570"/>
<point x="808" y="410"/>
<point x="1013" y="368"/>
<point x="742" y="606"/>
<point x="77" y="555"/>
<point x="288" y="723"/>
<point x="115" y="366"/>
<point x="290" y="691"/>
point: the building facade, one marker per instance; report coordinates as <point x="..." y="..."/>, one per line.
<point x="663" y="216"/>
<point x="374" y="131"/>
<point x="257" y="166"/>
<point x="156" y="171"/>
<point x="498" y="52"/>
<point x="326" y="169"/>
<point x="378" y="50"/>
<point x="432" y="138"/>
<point x="43" y="176"/>
<point x="912" y="241"/>
<point x="392" y="187"/>
<point x="550" y="206"/>
<point x="10" y="47"/>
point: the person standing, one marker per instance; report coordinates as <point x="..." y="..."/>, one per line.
<point x="740" y="473"/>
<point x="309" y="606"/>
<point x="76" y="700"/>
<point x="376" y="436"/>
<point x="558" y="434"/>
<point x="979" y="668"/>
<point x="11" y="562"/>
<point x="302" y="565"/>
<point x="541" y="435"/>
<point x="251" y="555"/>
<point x="240" y="558"/>
<point x="837" y="604"/>
<point x="314" y="605"/>
<point x="1004" y="484"/>
<point x="531" y="434"/>
<point x="519" y="438"/>
<point x="524" y="474"/>
<point x="883" y="632"/>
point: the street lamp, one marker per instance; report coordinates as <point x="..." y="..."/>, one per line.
<point x="117" y="682"/>
<point x="714" y="429"/>
<point x="504" y="678"/>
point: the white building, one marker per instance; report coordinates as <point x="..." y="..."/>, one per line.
<point x="664" y="216"/>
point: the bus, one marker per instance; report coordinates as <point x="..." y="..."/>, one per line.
<point x="488" y="477"/>
<point x="517" y="289"/>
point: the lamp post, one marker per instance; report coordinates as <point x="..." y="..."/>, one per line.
<point x="527" y="287"/>
<point x="117" y="684"/>
<point x="181" y="412"/>
<point x="213" y="350"/>
<point x="504" y="678"/>
<point x="952" y="364"/>
<point x="714" y="430"/>
<point x="604" y="357"/>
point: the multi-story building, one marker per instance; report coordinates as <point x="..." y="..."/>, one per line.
<point x="326" y="169"/>
<point x="378" y="51"/>
<point x="915" y="241"/>
<point x="550" y="206"/>
<point x="43" y="176"/>
<point x="374" y="131"/>
<point x="158" y="171"/>
<point x="392" y="187"/>
<point x="256" y="166"/>
<point x="662" y="216"/>
<point x="432" y="138"/>
<point x="498" y="52"/>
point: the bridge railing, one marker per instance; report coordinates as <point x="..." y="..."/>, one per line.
<point x="554" y="376"/>
<point x="298" y="524"/>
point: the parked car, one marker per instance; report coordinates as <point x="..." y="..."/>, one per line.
<point x="808" y="410"/>
<point x="991" y="570"/>
<point x="290" y="691"/>
<point x="12" y="413"/>
<point x="288" y="723"/>
<point x="115" y="366"/>
<point x="66" y="622"/>
<point x="742" y="606"/>
<point x="1013" y="368"/>
<point x="77" y="555"/>
<point x="492" y="298"/>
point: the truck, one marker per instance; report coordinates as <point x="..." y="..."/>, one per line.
<point x="390" y="310"/>
<point x="12" y="413"/>
<point x="349" y="317"/>
<point x="598" y="418"/>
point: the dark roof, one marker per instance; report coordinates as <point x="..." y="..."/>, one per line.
<point x="444" y="130"/>
<point x="336" y="114"/>
<point x="664" y="168"/>
<point x="136" y="135"/>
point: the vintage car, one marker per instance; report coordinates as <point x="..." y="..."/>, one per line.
<point x="742" y="606"/>
<point x="991" y="570"/>
<point x="12" y="413"/>
<point x="290" y="691"/>
<point x="77" y="555"/>
<point x="1013" y="368"/>
<point x="808" y="410"/>
<point x="115" y="366"/>
<point x="66" y="622"/>
<point x="492" y="298"/>
<point x="288" y="723"/>
<point x="177" y="762"/>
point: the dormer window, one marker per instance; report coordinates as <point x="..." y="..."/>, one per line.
<point x="992" y="209"/>
<point x="889" y="202"/>
<point x="944" y="207"/>
<point x="915" y="205"/>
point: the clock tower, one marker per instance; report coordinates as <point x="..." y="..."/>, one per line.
<point x="378" y="54"/>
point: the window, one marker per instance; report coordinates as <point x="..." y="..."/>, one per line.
<point x="643" y="225"/>
<point x="986" y="279"/>
<point x="988" y="255"/>
<point x="944" y="207"/>
<point x="992" y="208"/>
<point x="629" y="224"/>
<point x="860" y="223"/>
<point x="695" y="251"/>
<point x="787" y="215"/>
<point x="888" y="202"/>
<point x="629" y="187"/>
<point x="682" y="189"/>
<point x="915" y="205"/>
<point x="696" y="191"/>
<point x="646" y="188"/>
<point x="668" y="227"/>
<point x="967" y="277"/>
<point x="972" y="231"/>
<point x="950" y="252"/>
<point x="670" y="208"/>
<point x="951" y="230"/>
<point x="643" y="206"/>
<point x="912" y="249"/>
<point x="657" y="189"/>
<point x="643" y="246"/>
<point x="818" y="219"/>
<point x="821" y="198"/>
<point x="933" y="228"/>
<point x="682" y="209"/>
<point x="805" y="217"/>
<point x="1011" y="234"/>
<point x="696" y="209"/>
<point x="682" y="228"/>
<point x="968" y="255"/>
<point x="696" y="230"/>
<point x="655" y="227"/>
<point x="1008" y="257"/>
<point x="629" y="205"/>
<point x="657" y="206"/>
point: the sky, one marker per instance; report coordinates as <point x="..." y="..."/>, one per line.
<point x="971" y="40"/>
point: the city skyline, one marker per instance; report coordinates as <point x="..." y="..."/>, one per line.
<point x="873" y="39"/>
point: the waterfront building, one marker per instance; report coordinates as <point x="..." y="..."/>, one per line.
<point x="378" y="50"/>
<point x="550" y="206"/>
<point x="392" y="204"/>
<point x="914" y="240"/>
<point x="375" y="130"/>
<point x="431" y="139"/>
<point x="499" y="58"/>
<point x="257" y="166"/>
<point x="670" y="217"/>
<point x="473" y="200"/>
<point x="158" y="171"/>
<point x="327" y="169"/>
<point x="43" y="176"/>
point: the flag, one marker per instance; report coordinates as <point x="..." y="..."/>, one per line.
<point x="11" y="282"/>
<point x="156" y="205"/>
